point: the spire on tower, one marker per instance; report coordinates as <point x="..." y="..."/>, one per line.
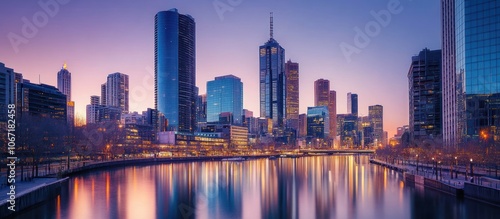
<point x="271" y="26"/>
<point x="65" y="66"/>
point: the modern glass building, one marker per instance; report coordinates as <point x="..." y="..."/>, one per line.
<point x="425" y="106"/>
<point x="272" y="81"/>
<point x="175" y="70"/>
<point x="40" y="100"/>
<point x="471" y="70"/>
<point x="225" y="95"/>
<point x="292" y="94"/>
<point x="318" y="122"/>
<point x="352" y="104"/>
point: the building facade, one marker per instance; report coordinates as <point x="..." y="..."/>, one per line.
<point x="352" y="104"/>
<point x="41" y="100"/>
<point x="424" y="78"/>
<point x="117" y="91"/>
<point x="64" y="85"/>
<point x="272" y="82"/>
<point x="318" y="122"/>
<point x="175" y="70"/>
<point x="471" y="71"/>
<point x="292" y="94"/>
<point x="7" y="90"/>
<point x="225" y="95"/>
<point x="376" y="117"/>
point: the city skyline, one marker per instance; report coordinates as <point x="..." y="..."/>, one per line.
<point x="328" y="63"/>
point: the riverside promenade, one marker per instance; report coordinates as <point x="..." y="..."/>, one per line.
<point x="457" y="183"/>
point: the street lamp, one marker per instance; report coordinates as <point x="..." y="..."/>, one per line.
<point x="471" y="171"/>
<point x="417" y="162"/>
<point x="456" y="168"/>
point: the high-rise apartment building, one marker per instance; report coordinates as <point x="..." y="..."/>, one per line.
<point x="175" y="70"/>
<point x="117" y="91"/>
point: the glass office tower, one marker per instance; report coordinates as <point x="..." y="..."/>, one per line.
<point x="175" y="73"/>
<point x="272" y="81"/>
<point x="318" y="122"/>
<point x="225" y="95"/>
<point x="471" y="39"/>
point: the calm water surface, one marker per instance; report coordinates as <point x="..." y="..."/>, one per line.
<point x="310" y="187"/>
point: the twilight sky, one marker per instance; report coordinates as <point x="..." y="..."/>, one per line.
<point x="99" y="37"/>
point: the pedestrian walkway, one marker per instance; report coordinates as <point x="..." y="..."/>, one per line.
<point x="24" y="187"/>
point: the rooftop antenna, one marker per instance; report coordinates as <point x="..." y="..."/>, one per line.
<point x="272" y="26"/>
<point x="39" y="82"/>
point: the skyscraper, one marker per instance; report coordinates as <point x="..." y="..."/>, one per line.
<point x="292" y="94"/>
<point x="424" y="79"/>
<point x="471" y="71"/>
<point x="64" y="82"/>
<point x="225" y="95"/>
<point x="376" y="117"/>
<point x="352" y="104"/>
<point x="175" y="70"/>
<point x="323" y="96"/>
<point x="332" y="109"/>
<point x="321" y="92"/>
<point x="272" y="81"/>
<point x="117" y="91"/>
<point x="64" y="85"/>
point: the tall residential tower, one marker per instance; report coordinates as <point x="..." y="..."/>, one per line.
<point x="175" y="70"/>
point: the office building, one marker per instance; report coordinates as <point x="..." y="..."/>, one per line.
<point x="318" y="122"/>
<point x="424" y="81"/>
<point x="272" y="81"/>
<point x="352" y="104"/>
<point x="201" y="109"/>
<point x="40" y="100"/>
<point x="175" y="70"/>
<point x="332" y="109"/>
<point x="302" y="125"/>
<point x="292" y="94"/>
<point x="64" y="85"/>
<point x="7" y="89"/>
<point x="376" y="117"/>
<point x="471" y="71"/>
<point x="225" y="95"/>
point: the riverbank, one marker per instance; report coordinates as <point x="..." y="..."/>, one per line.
<point x="29" y="194"/>
<point x="445" y="183"/>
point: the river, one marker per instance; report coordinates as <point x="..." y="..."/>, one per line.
<point x="338" y="186"/>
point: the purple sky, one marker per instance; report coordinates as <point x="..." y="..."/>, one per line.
<point x="96" y="38"/>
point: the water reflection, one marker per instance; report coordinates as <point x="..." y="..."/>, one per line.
<point x="310" y="187"/>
